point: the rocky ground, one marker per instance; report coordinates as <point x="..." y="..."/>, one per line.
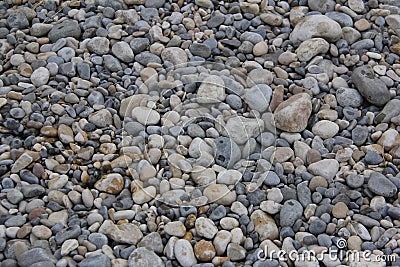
<point x="198" y="133"/>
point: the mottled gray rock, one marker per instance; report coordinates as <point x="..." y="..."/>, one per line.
<point x="17" y="20"/>
<point x="292" y="115"/>
<point x="290" y="212"/>
<point x="258" y="97"/>
<point x="372" y="88"/>
<point x="67" y="28"/>
<point x="200" y="50"/>
<point x="35" y="255"/>
<point x="348" y="97"/>
<point x="391" y="110"/>
<point x="322" y="6"/>
<point x="95" y="261"/>
<point x="380" y="185"/>
<point x="143" y="257"/>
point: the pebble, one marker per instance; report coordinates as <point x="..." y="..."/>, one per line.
<point x="325" y="129"/>
<point x="144" y="257"/>
<point x="371" y="88"/>
<point x="380" y="185"/>
<point x="310" y="48"/>
<point x="40" y="76"/>
<point x="184" y="253"/>
<point x="316" y="26"/>
<point x="327" y="168"/>
<point x="292" y="115"/>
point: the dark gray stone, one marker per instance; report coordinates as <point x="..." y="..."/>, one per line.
<point x="35" y="255"/>
<point x="227" y="152"/>
<point x="67" y="28"/>
<point x="359" y="135"/>
<point x="380" y="185"/>
<point x="139" y="44"/>
<point x="18" y="20"/>
<point x="200" y="50"/>
<point x="317" y="226"/>
<point x="373" y="158"/>
<point x="96" y="261"/>
<point x="304" y="194"/>
<point x="291" y="211"/>
<point x="372" y="88"/>
<point x="111" y="63"/>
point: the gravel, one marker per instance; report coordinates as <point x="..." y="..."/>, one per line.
<point x="198" y="133"/>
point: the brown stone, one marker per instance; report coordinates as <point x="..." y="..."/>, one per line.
<point x="340" y="210"/>
<point x="318" y="181"/>
<point x="204" y="250"/>
<point x="35" y="213"/>
<point x="362" y="25"/>
<point x="313" y="155"/>
<point x="395" y="48"/>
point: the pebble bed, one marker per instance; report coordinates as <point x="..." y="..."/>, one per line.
<point x="198" y="133"/>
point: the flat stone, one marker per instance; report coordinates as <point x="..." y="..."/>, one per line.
<point x="40" y="76"/>
<point x="204" y="250"/>
<point x="205" y="228"/>
<point x="348" y="97"/>
<point x="391" y="110"/>
<point x="96" y="260"/>
<point x="101" y="118"/>
<point x="145" y="115"/>
<point x="316" y="26"/>
<point x="201" y="50"/>
<point x="235" y="252"/>
<point x="175" y="229"/>
<point x="310" y="48"/>
<point x="68" y="246"/>
<point x="380" y="185"/>
<point x="322" y="6"/>
<point x="35" y="255"/>
<point x="123" y="51"/>
<point x="175" y="55"/>
<point x="127" y="233"/>
<point x="219" y="194"/>
<point x="211" y="90"/>
<point x="22" y="162"/>
<point x="325" y="129"/>
<point x="372" y="88"/>
<point x="291" y="211"/>
<point x="258" y="97"/>
<point x="241" y="129"/>
<point x="99" y="45"/>
<point x="67" y="28"/>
